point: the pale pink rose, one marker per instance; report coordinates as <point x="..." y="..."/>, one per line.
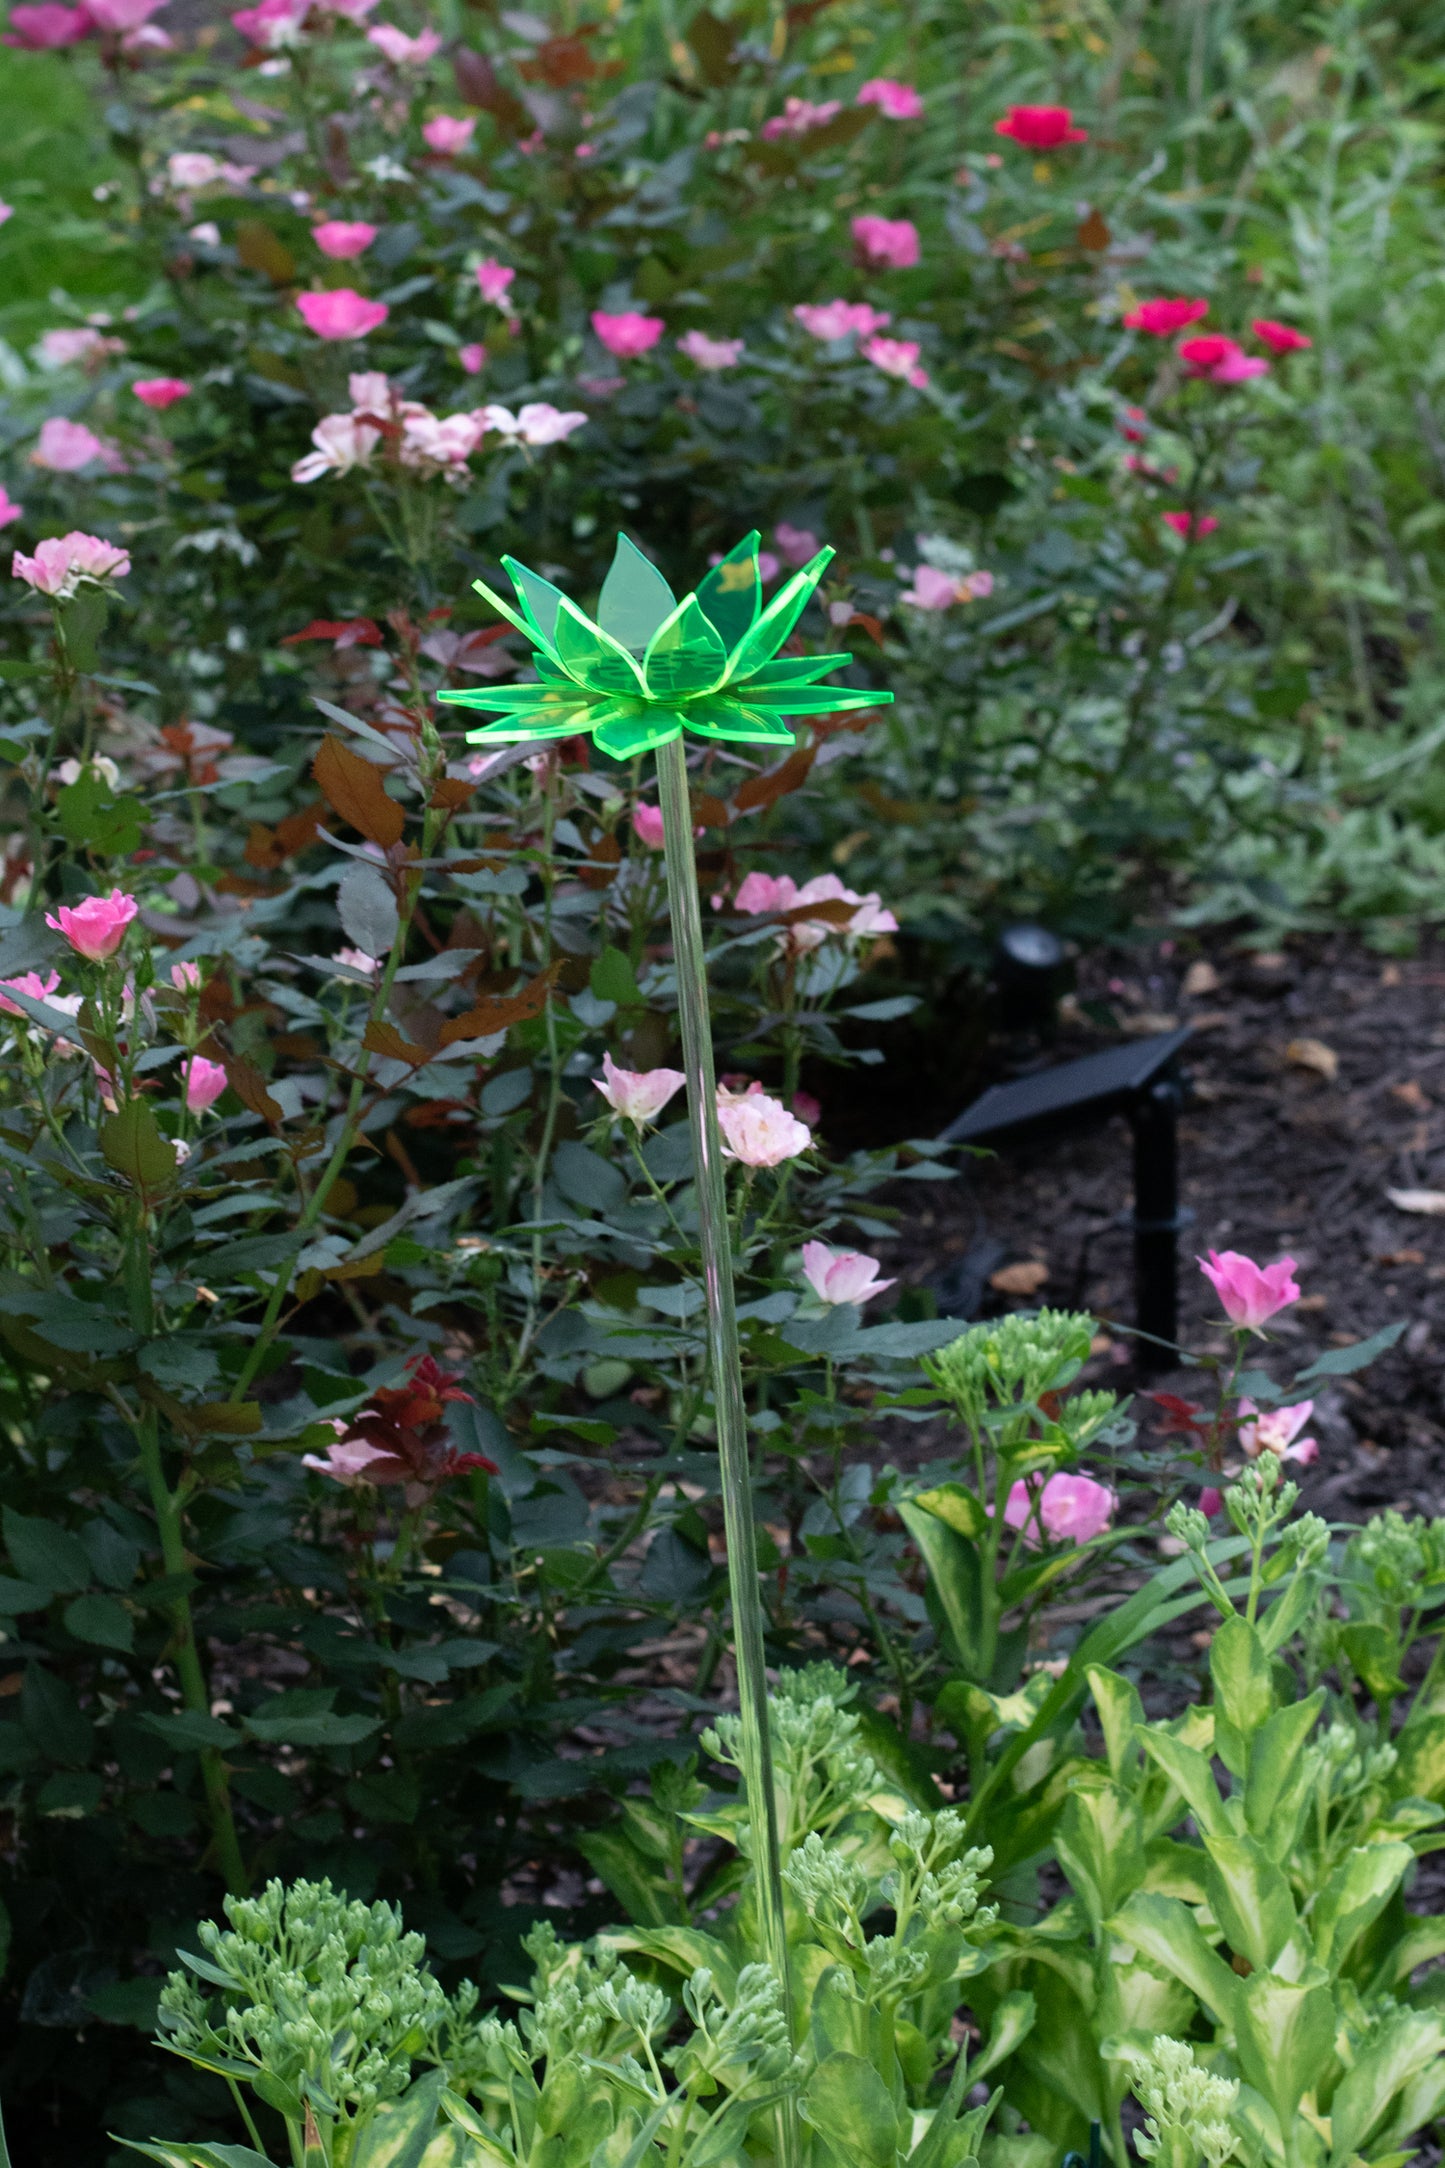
<point x="538" y="423"/>
<point x="76" y="343"/>
<point x="61" y="563"/>
<point x="796" y="545"/>
<point x="975" y="587"/>
<point x="206" y="232"/>
<point x="890" y="241"/>
<point x="896" y="357"/>
<point x="402" y="51"/>
<point x="159" y="392"/>
<point x="186" y="977"/>
<point x="758" y="1131"/>
<point x="121" y="15"/>
<point x="7" y="210"/>
<point x="341" y="313"/>
<point x="342" y="442"/>
<point x="706" y="353"/>
<point x="1278" y="1431"/>
<point x="370" y="392"/>
<point x="472" y="357"/>
<point x="896" y="101"/>
<point x="355" y="959"/>
<point x="647" y="825"/>
<point x="638" y="1095"/>
<point x="192" y="169"/>
<point x="42" y="28"/>
<point x="448" y="134"/>
<point x="840" y="319"/>
<point x="1072" y="1508"/>
<point x="64" y="447"/>
<point x="798" y="117"/>
<point x="766" y="892"/>
<point x="869" y="917"/>
<point x="95" y="928"/>
<point x="440" y="444"/>
<point x="205" y="1082"/>
<point x="842" y="1275"/>
<point x="1238" y="369"/>
<point x="493" y="279"/>
<point x="31" y="983"/>
<point x="931" y="589"/>
<point x="275" y="25"/>
<point x="347" y="1461"/>
<point x="628" y="334"/>
<point x="343" y="238"/>
<point x="149" y="38"/>
<point x="1251" y="1294"/>
<point x="10" y="511"/>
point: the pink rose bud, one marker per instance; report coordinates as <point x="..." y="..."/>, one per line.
<point x="1280" y="338"/>
<point x="1161" y="318"/>
<point x="896" y="101"/>
<point x="647" y="825"/>
<point x="473" y="358"/>
<point x="629" y="334"/>
<point x="1190" y="526"/>
<point x="1040" y="127"/>
<point x="841" y="319"/>
<point x="886" y="241"/>
<point x="403" y="51"/>
<point x="1211" y="1503"/>
<point x="159" y="392"/>
<point x="638" y="1095"/>
<point x="447" y="134"/>
<point x="185" y="977"/>
<point x="759" y="1131"/>
<point x="205" y="1082"/>
<point x="95" y="928"/>
<point x="841" y="1275"/>
<point x="1251" y="1293"/>
<point x="341" y="313"/>
<point x="343" y="238"/>
<point x="711" y="354"/>
<point x="493" y="279"/>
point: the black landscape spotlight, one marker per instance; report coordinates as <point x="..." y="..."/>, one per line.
<point x="1143" y="1081"/>
<point x="1030" y="973"/>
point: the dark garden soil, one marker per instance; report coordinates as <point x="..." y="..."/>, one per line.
<point x="1318" y="1088"/>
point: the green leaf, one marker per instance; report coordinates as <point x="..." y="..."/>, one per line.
<point x="684" y="655"/>
<point x="955" y="1575"/>
<point x="1356" y="1894"/>
<point x="730" y="596"/>
<point x="849" y="2104"/>
<point x="325" y="1728"/>
<point x="82" y="621"/>
<point x="1189" y="1772"/>
<point x="400" y="2130"/>
<point x="635" y="598"/>
<point x="43" y="1553"/>
<point x="1285" y="2033"/>
<point x="1100" y="1843"/>
<point x="1420" y="1771"/>
<point x="1121" y="1717"/>
<point x="1375" y="1653"/>
<point x="1250" y="1898"/>
<point x="175" y="2155"/>
<point x="94" y="819"/>
<point x="1404" y="2046"/>
<point x="1278" y="1773"/>
<point x="53" y="1718"/>
<point x="17" y="1597"/>
<point x="190" y="1731"/>
<point x="1011" y="2022"/>
<point x="957" y="1505"/>
<point x="612" y="979"/>
<point x="1243" y="1690"/>
<point x="1168" y="1934"/>
<point x="101" y="1621"/>
<point x="1340" y="1362"/>
<point x="131" y="1142"/>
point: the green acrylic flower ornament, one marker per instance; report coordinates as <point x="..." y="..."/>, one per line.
<point x="652" y="667"/>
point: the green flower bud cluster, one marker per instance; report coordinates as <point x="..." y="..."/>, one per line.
<point x="820" y="1771"/>
<point x="1010" y="1363"/>
<point x="1187" y="2109"/>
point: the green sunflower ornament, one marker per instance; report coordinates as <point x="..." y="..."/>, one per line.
<point x="652" y="667"/>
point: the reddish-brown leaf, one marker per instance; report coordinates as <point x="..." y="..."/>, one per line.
<point x="765" y="790"/>
<point x="499" y="1014"/>
<point x="386" y="1040"/>
<point x="249" y="1085"/>
<point x="353" y="788"/>
<point x="450" y="793"/>
<point x="708" y="811"/>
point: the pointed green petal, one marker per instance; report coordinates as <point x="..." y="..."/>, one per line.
<point x="540" y="600"/>
<point x="592" y="657"/>
<point x="684" y="655"/>
<point x="557" y="723"/>
<point x="732" y="593"/>
<point x="641" y="734"/>
<point x="513" y="699"/>
<point x="806" y="699"/>
<point x="779" y="618"/>
<point x="792" y="670"/>
<point x="504" y="609"/>
<point x="635" y="598"/>
<point x="731" y="719"/>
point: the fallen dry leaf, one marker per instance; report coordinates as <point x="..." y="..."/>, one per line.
<point x="1429" y="1201"/>
<point x="1411" y="1095"/>
<point x="1024" y="1279"/>
<point x="1313" y="1302"/>
<point x="1201" y="978"/>
<point x="1314" y="1054"/>
<point x="1149" y="1020"/>
<point x="1401" y="1257"/>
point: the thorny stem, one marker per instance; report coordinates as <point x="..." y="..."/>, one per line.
<point x="714" y="1239"/>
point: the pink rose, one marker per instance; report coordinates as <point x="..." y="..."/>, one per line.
<point x="890" y="241"/>
<point x="1163" y="317"/>
<point x="629" y="334"/>
<point x="706" y="353"/>
<point x="473" y="358"/>
<point x="31" y="983"/>
<point x="841" y="1275"/>
<point x="1071" y="1508"/>
<point x="798" y="117"/>
<point x="159" y="392"/>
<point x="759" y="1131"/>
<point x="347" y="1461"/>
<point x="186" y="977"/>
<point x="65" y="446"/>
<point x="355" y="959"/>
<point x="1237" y="368"/>
<point x="402" y="51"/>
<point x="896" y="101"/>
<point x="1222" y="360"/>
<point x="935" y="590"/>
<point x="1279" y="338"/>
<point x="839" y="319"/>
<point x="796" y="545"/>
<point x="448" y="134"/>
<point x="343" y="238"/>
<point x="647" y="825"/>
<point x="638" y="1095"/>
<point x="766" y="892"/>
<point x="1251" y="1293"/>
<point x="341" y="313"/>
<point x="81" y="342"/>
<point x="95" y="928"/>
<point x="10" y="511"/>
<point x="60" y="563"/>
<point x="1278" y="1431"/>
<point x="42" y="28"/>
<point x="493" y="279"/>
<point x="274" y="25"/>
<point x="1192" y="526"/>
<point x="896" y="357"/>
<point x="537" y="423"/>
<point x="1040" y="127"/>
<point x="205" y="1082"/>
<point x="121" y="15"/>
<point x="7" y="210"/>
<point x="342" y="442"/>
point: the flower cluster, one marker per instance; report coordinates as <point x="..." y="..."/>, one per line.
<point x="776" y="893"/>
<point x="426" y="444"/>
<point x="66" y="562"/>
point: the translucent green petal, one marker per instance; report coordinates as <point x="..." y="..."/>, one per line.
<point x="794" y="670"/>
<point x="635" y="598"/>
<point x="731" y="719"/>
<point x="512" y="730"/>
<point x="592" y="657"/>
<point x="779" y="618"/>
<point x="540" y="600"/>
<point x="684" y="655"/>
<point x="806" y="699"/>
<point x="639" y="733"/>
<point x="504" y="609"/>
<point x="512" y="699"/>
<point x="732" y="593"/>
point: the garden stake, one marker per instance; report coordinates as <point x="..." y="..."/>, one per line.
<point x="647" y="668"/>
